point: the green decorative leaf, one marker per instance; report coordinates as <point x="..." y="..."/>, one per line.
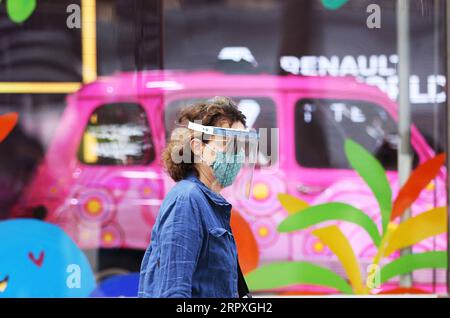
<point x="409" y="263"/>
<point x="20" y="10"/>
<point x="332" y="211"/>
<point x="282" y="274"/>
<point x="333" y="4"/>
<point x="373" y="173"/>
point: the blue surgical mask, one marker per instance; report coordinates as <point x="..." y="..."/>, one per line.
<point x="226" y="166"/>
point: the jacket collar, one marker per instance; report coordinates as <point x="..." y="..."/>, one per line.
<point x="215" y="197"/>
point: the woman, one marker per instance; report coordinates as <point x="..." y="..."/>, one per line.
<point x="192" y="252"/>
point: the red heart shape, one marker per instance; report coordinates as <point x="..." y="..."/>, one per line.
<point x="38" y="262"/>
<point x="7" y="123"/>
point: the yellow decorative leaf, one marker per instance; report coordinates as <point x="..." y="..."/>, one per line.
<point x="336" y="241"/>
<point x="418" y="228"/>
<point x="291" y="204"/>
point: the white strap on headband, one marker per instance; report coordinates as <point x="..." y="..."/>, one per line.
<point x="204" y="129"/>
<point x="210" y="129"/>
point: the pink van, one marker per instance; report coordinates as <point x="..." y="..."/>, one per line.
<point x="102" y="179"/>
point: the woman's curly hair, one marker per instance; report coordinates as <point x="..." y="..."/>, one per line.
<point x="213" y="112"/>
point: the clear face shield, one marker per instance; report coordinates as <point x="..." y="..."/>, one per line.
<point x="235" y="155"/>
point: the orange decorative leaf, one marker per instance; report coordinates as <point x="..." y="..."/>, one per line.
<point x="7" y="123"/>
<point x="418" y="180"/>
<point x="248" y="252"/>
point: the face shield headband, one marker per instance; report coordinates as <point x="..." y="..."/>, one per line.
<point x="237" y="157"/>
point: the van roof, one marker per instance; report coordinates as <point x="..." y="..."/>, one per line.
<point x="156" y="82"/>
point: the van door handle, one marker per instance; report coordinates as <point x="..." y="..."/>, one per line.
<point x="309" y="189"/>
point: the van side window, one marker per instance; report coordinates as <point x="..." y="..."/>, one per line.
<point x="322" y="125"/>
<point x="117" y="134"/>
<point x="260" y="113"/>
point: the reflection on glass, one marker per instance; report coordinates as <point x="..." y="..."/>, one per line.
<point x="117" y="134"/>
<point x="322" y="125"/>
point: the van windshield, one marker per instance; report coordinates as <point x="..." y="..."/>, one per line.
<point x="322" y="125"/>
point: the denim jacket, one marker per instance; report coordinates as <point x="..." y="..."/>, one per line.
<point x="192" y="252"/>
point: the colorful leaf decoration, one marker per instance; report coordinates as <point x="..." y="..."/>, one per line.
<point x="282" y="274"/>
<point x="291" y="204"/>
<point x="20" y="10"/>
<point x="394" y="237"/>
<point x="411" y="262"/>
<point x="418" y="180"/>
<point x="336" y="241"/>
<point x="384" y="240"/>
<point x="330" y="212"/>
<point x="7" y="123"/>
<point x="418" y="228"/>
<point x="373" y="173"/>
<point x="247" y="246"/>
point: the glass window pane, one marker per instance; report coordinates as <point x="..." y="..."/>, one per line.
<point x="117" y="134"/>
<point x="322" y="125"/>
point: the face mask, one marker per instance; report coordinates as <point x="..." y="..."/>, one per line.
<point x="226" y="166"/>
